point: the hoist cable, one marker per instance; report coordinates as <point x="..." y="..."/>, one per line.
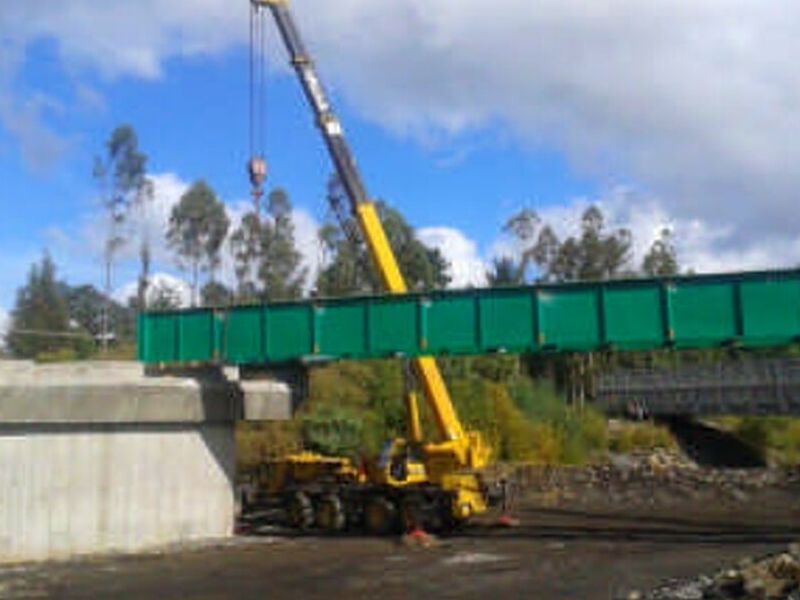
<point x="262" y="67"/>
<point x="251" y="123"/>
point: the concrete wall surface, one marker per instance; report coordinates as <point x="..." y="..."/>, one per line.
<point x="266" y="401"/>
<point x="111" y="392"/>
<point x="95" y="457"/>
<point x="65" y="491"/>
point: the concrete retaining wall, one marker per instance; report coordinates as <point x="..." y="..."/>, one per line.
<point x="97" y="457"/>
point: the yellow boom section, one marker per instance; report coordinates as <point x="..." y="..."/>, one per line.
<point x="426" y="368"/>
<point x="380" y="249"/>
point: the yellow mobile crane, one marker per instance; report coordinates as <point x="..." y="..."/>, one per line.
<point x="438" y="482"/>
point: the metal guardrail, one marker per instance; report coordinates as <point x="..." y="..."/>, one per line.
<point x="752" y="387"/>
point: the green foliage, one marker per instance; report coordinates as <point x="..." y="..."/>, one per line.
<point x="505" y="272"/>
<point x="257" y="442"/>
<point x="73" y="313"/>
<point x="333" y="430"/>
<point x="246" y="247"/>
<point x="579" y="434"/>
<point x="267" y="262"/>
<point x="661" y="260"/>
<point x="59" y="356"/>
<point x="198" y="225"/>
<point x="496" y="368"/>
<point x="354" y="407"/>
<point x="85" y="304"/>
<point x="367" y="397"/>
<point x="120" y="175"/>
<point x="776" y="438"/>
<point x="596" y="254"/>
<point x="215" y="293"/>
<point x="124" y="186"/>
<point x="40" y="319"/>
<point x="125" y="350"/>
<point x="629" y="437"/>
<point x="280" y="271"/>
<point x="349" y="269"/>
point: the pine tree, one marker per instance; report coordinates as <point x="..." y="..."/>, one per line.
<point x="40" y="318"/>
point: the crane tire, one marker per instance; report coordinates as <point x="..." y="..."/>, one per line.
<point x="330" y="513"/>
<point x="300" y="511"/>
<point x="380" y="516"/>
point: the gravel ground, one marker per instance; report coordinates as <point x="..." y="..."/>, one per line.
<point x="618" y="531"/>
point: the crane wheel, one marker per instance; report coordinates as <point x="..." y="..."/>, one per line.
<point x="330" y="513"/>
<point x="380" y="516"/>
<point x="300" y="511"/>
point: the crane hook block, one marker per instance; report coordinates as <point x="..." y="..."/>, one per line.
<point x="257" y="169"/>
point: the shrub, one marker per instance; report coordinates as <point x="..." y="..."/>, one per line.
<point x="777" y="438"/>
<point x="57" y="356"/>
<point x="256" y="442"/>
<point x="641" y="436"/>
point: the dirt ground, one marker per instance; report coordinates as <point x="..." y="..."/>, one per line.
<point x="578" y="549"/>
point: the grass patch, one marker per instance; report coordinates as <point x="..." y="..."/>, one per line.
<point x="776" y="438"/>
<point x="631" y="437"/>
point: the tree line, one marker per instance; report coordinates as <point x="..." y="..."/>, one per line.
<point x="265" y="261"/>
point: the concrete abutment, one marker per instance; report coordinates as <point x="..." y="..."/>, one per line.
<point x="97" y="457"/>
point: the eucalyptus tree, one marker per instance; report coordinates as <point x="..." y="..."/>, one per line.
<point x="198" y="225"/>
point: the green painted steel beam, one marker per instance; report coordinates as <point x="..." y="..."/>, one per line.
<point x="745" y="309"/>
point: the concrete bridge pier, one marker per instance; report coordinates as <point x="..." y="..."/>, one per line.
<point x="97" y="457"/>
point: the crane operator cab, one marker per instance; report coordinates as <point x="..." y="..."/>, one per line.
<point x="400" y="464"/>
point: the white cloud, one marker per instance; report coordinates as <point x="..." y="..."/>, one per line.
<point x="698" y="102"/>
<point x="306" y="229"/>
<point x="25" y="118"/>
<point x="127" y="37"/>
<point x="159" y="282"/>
<point x="466" y="266"/>
<point x="80" y="249"/>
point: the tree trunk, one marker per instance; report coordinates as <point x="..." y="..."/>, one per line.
<point x="106" y="309"/>
<point x="194" y="283"/>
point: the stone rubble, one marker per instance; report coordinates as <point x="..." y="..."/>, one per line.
<point x="775" y="577"/>
<point x="658" y="477"/>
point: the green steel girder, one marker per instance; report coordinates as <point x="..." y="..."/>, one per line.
<point x="758" y="309"/>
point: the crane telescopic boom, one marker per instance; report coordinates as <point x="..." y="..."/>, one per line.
<point x="426" y="369"/>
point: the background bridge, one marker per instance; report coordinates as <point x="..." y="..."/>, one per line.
<point x="756" y="387"/>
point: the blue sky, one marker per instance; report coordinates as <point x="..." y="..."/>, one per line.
<point x="682" y="116"/>
<point x="193" y="122"/>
